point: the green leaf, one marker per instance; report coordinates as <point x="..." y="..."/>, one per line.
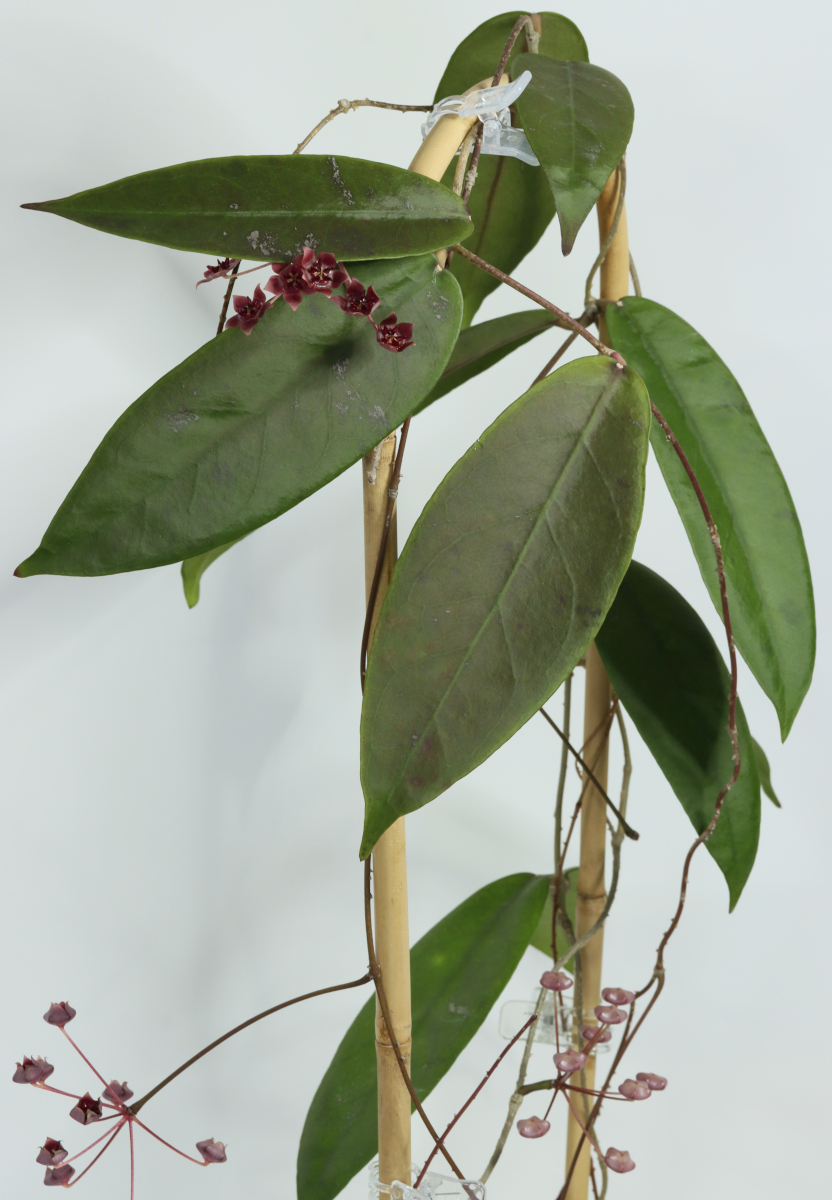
<point x="511" y="203"/>
<point x="767" y="569"/>
<point x="194" y="568"/>
<point x="459" y="968"/>
<point x="270" y="206"/>
<point x="541" y="939"/>
<point x="249" y="426"/>
<point x="671" y="678"/>
<point x="503" y="583"/>
<point x="578" y="119"/>
<point x="764" y="771"/>
<point x="483" y="345"/>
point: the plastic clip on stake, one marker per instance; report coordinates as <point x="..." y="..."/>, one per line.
<point x="491" y="105"/>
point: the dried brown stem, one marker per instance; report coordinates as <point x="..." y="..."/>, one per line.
<point x="345" y="106"/>
<point x="225" y="302"/>
<point x="532" y="37"/>
<point x="392" y="493"/>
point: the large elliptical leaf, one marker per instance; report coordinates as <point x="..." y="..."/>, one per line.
<point x="578" y="119"/>
<point x="505" y="579"/>
<point x="459" y="968"/>
<point x="483" y="345"/>
<point x="270" y="206"/>
<point x="249" y="426"/>
<point x="511" y="203"/>
<point x="670" y="676"/>
<point x="767" y="569"/>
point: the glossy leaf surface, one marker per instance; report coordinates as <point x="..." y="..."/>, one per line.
<point x="511" y="203"/>
<point x="541" y="939"/>
<point x="671" y="678"/>
<point x="194" y="568"/>
<point x="578" y="118"/>
<point x="767" y="569"/>
<point x="248" y="426"/>
<point x="503" y="582"/>
<point x="764" y="771"/>
<point x="271" y="206"/>
<point x="483" y="345"/>
<point x="459" y="968"/>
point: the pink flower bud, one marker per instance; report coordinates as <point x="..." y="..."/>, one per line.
<point x="117" y="1093"/>
<point x="610" y="1016"/>
<point x="32" y="1070"/>
<point x="59" y="1014"/>
<point x="619" y="1160"/>
<point x="533" y="1127"/>
<point x="656" y="1083"/>
<point x="555" y="981"/>
<point x="589" y="1032"/>
<point x="58" y="1176"/>
<point x="618" y="996"/>
<point x="211" y="1151"/>
<point x="87" y="1110"/>
<point x="51" y="1153"/>
<point x="570" y="1061"/>
<point x="392" y="336"/>
<point x="633" y="1090"/>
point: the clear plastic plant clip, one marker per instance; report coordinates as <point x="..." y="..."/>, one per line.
<point x="432" y="1187"/>
<point x="490" y="105"/>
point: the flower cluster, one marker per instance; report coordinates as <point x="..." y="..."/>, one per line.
<point x="111" y="1106"/>
<point x="309" y="274"/>
<point x="569" y="1062"/>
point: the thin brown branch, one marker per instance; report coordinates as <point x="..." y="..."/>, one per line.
<point x="570" y="322"/>
<point x="392" y="493"/>
<point x="532" y="38"/>
<point x="345" y="106"/>
<point x="471" y="173"/>
<point x="441" y="1142"/>
<point x="375" y="975"/>
<point x="628" y="830"/>
<point x="637" y="290"/>
<point x="228" y="292"/>
<point x="338" y="987"/>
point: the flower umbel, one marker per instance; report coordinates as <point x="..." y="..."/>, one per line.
<point x="54" y="1156"/>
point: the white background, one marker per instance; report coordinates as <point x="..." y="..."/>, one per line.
<point x="181" y="800"/>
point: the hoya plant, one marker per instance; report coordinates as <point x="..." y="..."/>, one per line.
<point x="347" y="297"/>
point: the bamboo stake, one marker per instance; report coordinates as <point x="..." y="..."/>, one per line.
<point x="390" y="853"/>
<point x="598" y="697"/>
<point x="390" y="871"/>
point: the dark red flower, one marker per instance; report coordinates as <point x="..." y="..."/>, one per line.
<point x="87" y="1110"/>
<point x="32" y="1070"/>
<point x="292" y="280"/>
<point x="392" y="336"/>
<point x="59" y="1014"/>
<point x="59" y="1176"/>
<point x="223" y="268"/>
<point x="325" y="274"/>
<point x="211" y="1151"/>
<point x="358" y="300"/>
<point x="117" y="1093"/>
<point x="51" y="1153"/>
<point x="249" y="310"/>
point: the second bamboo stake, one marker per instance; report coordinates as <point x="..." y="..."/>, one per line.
<point x="615" y="280"/>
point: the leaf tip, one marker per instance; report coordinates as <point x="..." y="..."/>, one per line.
<point x="43" y="206"/>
